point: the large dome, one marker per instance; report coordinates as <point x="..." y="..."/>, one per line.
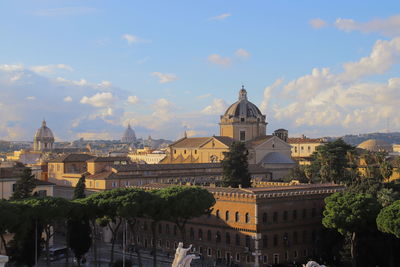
<point x="129" y="135"/>
<point x="44" y="133"/>
<point x="376" y="145"/>
<point x="243" y="107"/>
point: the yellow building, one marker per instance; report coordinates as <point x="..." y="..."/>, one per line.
<point x="302" y="148"/>
<point x="243" y="122"/>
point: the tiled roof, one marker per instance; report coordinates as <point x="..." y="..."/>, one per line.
<point x="191" y="142"/>
<point x="301" y="140"/>
<point x="135" y="167"/>
<point x="259" y="140"/>
<point x="73" y="158"/>
<point x="108" y="159"/>
<point x="226" y="140"/>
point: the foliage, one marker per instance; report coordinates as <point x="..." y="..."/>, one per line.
<point x="386" y="170"/>
<point x="388" y="219"/>
<point x="331" y="162"/>
<point x="236" y="167"/>
<point x="185" y="203"/>
<point x="79" y="232"/>
<point x="352" y="214"/>
<point x="79" y="191"/>
<point x="298" y="173"/>
<point x="24" y="186"/>
<point x="387" y="196"/>
<point x="9" y="217"/>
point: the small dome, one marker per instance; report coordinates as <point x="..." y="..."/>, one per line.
<point x="376" y="145"/>
<point x="243" y="107"/>
<point x="44" y="133"/>
<point x="129" y="135"/>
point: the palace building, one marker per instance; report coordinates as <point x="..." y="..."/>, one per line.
<point x="278" y="224"/>
<point x="243" y="122"/>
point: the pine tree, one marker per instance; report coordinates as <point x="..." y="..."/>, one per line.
<point x="80" y="187"/>
<point x="236" y="167"/>
<point x="24" y="186"/>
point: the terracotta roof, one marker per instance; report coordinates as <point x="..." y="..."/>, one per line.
<point x="72" y="158"/>
<point x="190" y="142"/>
<point x="301" y="140"/>
<point x="271" y="191"/>
<point x="135" y="167"/>
<point x="258" y="141"/>
<point x="226" y="140"/>
<point x="108" y="159"/>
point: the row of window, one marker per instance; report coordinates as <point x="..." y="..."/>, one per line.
<point x="285" y="216"/>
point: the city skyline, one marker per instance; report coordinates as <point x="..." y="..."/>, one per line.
<point x="90" y="67"/>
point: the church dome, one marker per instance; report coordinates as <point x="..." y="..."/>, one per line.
<point x="44" y="133"/>
<point x="376" y="145"/>
<point x="129" y="135"/>
<point x="243" y="107"/>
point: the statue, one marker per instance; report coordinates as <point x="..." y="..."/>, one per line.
<point x="181" y="259"/>
<point x="312" y="264"/>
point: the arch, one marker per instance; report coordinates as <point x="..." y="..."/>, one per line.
<point x="237" y="217"/>
<point x="227" y="215"/>
<point x="247" y="217"/>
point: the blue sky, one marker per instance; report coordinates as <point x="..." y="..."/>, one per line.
<point x="91" y="67"/>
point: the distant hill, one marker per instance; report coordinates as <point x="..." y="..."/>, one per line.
<point x="354" y="140"/>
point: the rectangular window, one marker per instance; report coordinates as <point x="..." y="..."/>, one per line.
<point x="276" y="258"/>
<point x="242" y="135"/>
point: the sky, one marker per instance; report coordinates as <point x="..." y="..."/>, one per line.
<point x="91" y="67"/>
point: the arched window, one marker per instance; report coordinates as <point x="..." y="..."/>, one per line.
<point x="237" y="218"/>
<point x="275" y="240"/>
<point x="275" y="217"/>
<point x="209" y="237"/>
<point x="285" y="238"/>
<point x="200" y="234"/>
<point x="217" y="214"/>
<point x="295" y="238"/>
<point x="237" y="240"/>
<point x="227" y="238"/>
<point x="218" y="237"/>
<point x="247" y="217"/>
<point x="191" y="233"/>
<point x="227" y="215"/>
<point x="264" y="217"/>
<point x="265" y="241"/>
<point x="247" y="241"/>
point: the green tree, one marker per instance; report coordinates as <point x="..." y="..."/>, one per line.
<point x="236" y="167"/>
<point x="351" y="214"/>
<point x="156" y="210"/>
<point x="185" y="203"/>
<point x="79" y="232"/>
<point x="388" y="219"/>
<point x="332" y="161"/>
<point x="386" y="196"/>
<point x="47" y="212"/>
<point x="24" y="186"/>
<point x="79" y="191"/>
<point x="8" y="219"/>
<point x="386" y="170"/>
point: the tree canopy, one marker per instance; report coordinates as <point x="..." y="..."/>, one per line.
<point x="24" y="186"/>
<point x="236" y="167"/>
<point x="388" y="219"/>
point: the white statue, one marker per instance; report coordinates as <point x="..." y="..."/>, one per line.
<point x="181" y="259"/>
<point x="312" y="264"/>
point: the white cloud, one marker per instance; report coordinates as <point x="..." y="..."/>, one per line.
<point x="317" y="23"/>
<point x="64" y="11"/>
<point x="94" y="136"/>
<point x="204" y="96"/>
<point x="31" y="98"/>
<point x="388" y="26"/>
<point x="221" y="16"/>
<point x="67" y="99"/>
<point x="268" y="94"/>
<point x="11" y="67"/>
<point x="165" y="77"/>
<point x="219" y="60"/>
<point x="242" y="53"/>
<point x="50" y="68"/>
<point x="218" y="106"/>
<point x="133" y="39"/>
<point x="104" y="99"/>
<point x="132" y="99"/>
<point x="323" y="101"/>
<point x="81" y="82"/>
